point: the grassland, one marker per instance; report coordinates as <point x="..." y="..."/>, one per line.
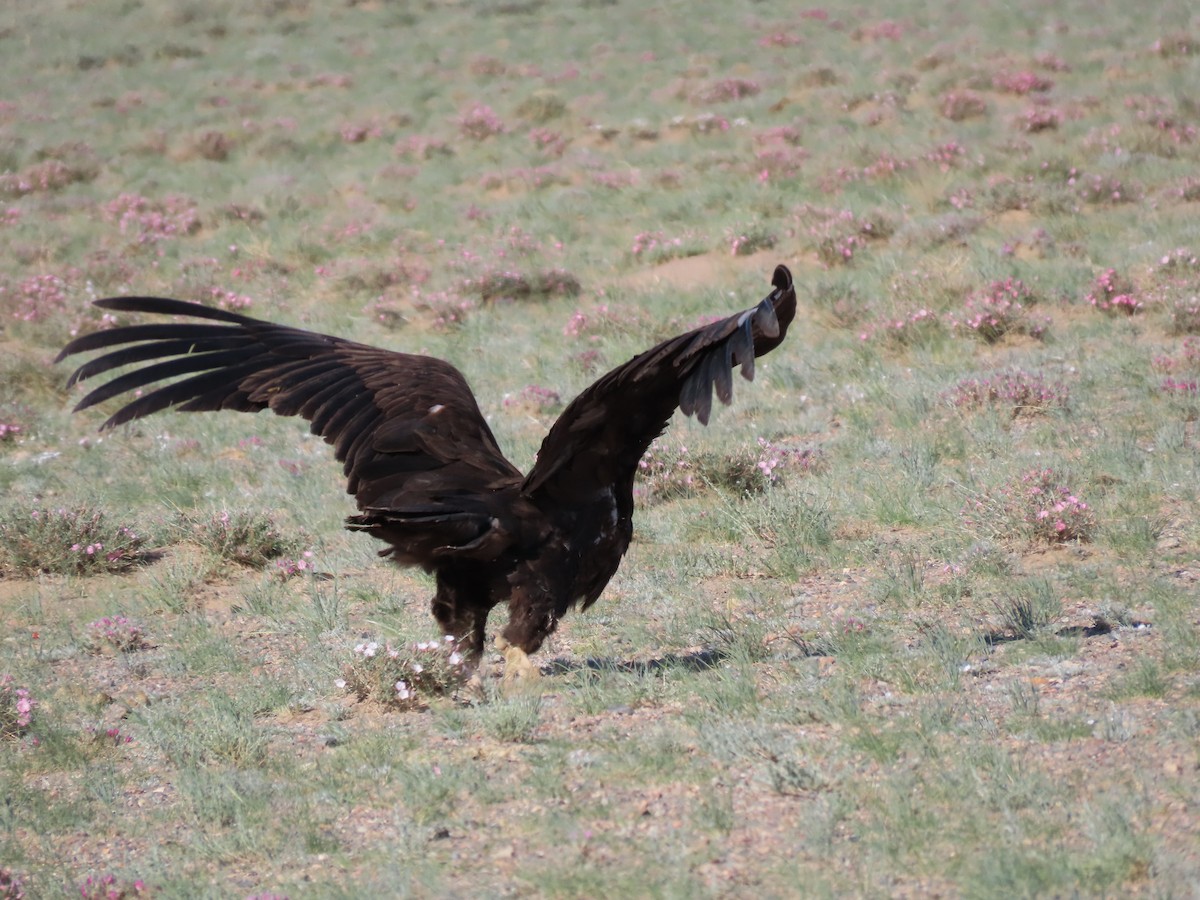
<point x="918" y="615"/>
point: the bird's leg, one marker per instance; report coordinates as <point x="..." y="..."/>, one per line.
<point x="466" y="623"/>
<point x="517" y="665"/>
<point x="471" y="648"/>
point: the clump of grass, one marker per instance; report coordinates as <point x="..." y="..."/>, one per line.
<point x="1052" y="510"/>
<point x="1007" y="194"/>
<point x="404" y="677"/>
<point x="750" y="240"/>
<point x="959" y="105"/>
<point x="76" y="541"/>
<point x="59" y="168"/>
<point x="1038" y="503"/>
<point x="792" y="777"/>
<point x="601" y="319"/>
<point x="908" y="329"/>
<point x="12" y="886"/>
<point x="656" y="247"/>
<point x="533" y="398"/>
<point x="480" y="122"/>
<point x="1188" y="360"/>
<point x="246" y="537"/>
<point x="1105" y="190"/>
<point x="150" y="222"/>
<point x="55" y="302"/>
<point x="110" y="887"/>
<point x="668" y="470"/>
<point x="173" y="583"/>
<point x="665" y="471"/>
<point x="725" y="90"/>
<point x="984" y="558"/>
<point x="1021" y="82"/>
<point x="213" y="145"/>
<point x="1185" y="315"/>
<point x="838" y="236"/>
<point x="1025" y="393"/>
<point x="999" y="310"/>
<point x="1179" y="43"/>
<point x="108" y="738"/>
<point x="1180" y="371"/>
<point x="504" y="285"/>
<point x="549" y="142"/>
<point x="218" y="728"/>
<point x="13" y="422"/>
<point x="542" y="106"/>
<point x="17" y="705"/>
<point x="754" y="470"/>
<point x="841" y="305"/>
<point x="1146" y="679"/>
<point x="1113" y="293"/>
<point x="1037" y="119"/>
<point x="1181" y="261"/>
<point x="953" y="227"/>
<point x="115" y="634"/>
<point x="1030" y="610"/>
<point x="705" y="123"/>
<point x="1188" y="190"/>
<point x="445" y="310"/>
<point x="288" y="567"/>
<point x="512" y="719"/>
<point x="36" y="297"/>
<point x="777" y="156"/>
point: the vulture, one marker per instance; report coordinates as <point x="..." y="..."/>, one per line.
<point x="428" y="477"/>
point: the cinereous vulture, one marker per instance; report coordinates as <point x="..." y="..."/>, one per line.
<point x="427" y="474"/>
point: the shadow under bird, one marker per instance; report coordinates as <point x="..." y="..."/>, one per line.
<point x="429" y="478"/>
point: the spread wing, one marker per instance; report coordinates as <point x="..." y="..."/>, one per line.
<point x="600" y="437"/>
<point x="407" y="428"/>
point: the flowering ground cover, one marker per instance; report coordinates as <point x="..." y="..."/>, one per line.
<point x="917" y="615"/>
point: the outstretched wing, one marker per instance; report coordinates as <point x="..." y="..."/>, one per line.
<point x="407" y="428"/>
<point x="600" y="437"/>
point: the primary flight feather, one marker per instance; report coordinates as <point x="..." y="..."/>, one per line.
<point x="427" y="474"/>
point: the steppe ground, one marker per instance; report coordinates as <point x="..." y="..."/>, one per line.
<point x="916" y="616"/>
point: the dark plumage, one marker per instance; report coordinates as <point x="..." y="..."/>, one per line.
<point x="424" y="467"/>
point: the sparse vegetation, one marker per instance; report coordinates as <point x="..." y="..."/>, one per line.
<point x="65" y="541"/>
<point x="882" y="622"/>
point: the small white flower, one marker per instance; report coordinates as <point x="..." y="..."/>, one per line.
<point x="455" y="658"/>
<point x="402" y="691"/>
<point x="417" y="668"/>
<point x="370" y="649"/>
<point x="340" y="684"/>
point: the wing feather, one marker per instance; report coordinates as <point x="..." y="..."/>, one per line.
<point x="140" y="353"/>
<point x="601" y="435"/>
<point x="188" y="334"/>
<point x="182" y="365"/>
<point x="354" y="396"/>
<point x="176" y="393"/>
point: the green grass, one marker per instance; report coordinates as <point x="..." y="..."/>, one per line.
<point x="873" y="670"/>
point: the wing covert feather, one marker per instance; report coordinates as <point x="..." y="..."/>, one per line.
<point x="388" y="415"/>
<point x="600" y="437"/>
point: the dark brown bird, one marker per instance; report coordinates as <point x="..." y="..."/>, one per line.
<point x="424" y="467"/>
